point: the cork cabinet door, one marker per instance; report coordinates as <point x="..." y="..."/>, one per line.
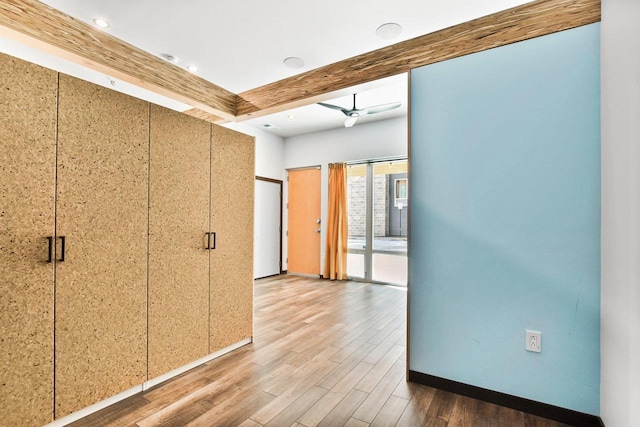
<point x="304" y="222"/>
<point x="232" y="198"/>
<point x="178" y="223"/>
<point x="27" y="175"/>
<point x="101" y="213"/>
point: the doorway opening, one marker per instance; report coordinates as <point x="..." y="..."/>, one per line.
<point x="267" y="235"/>
<point x="378" y="209"/>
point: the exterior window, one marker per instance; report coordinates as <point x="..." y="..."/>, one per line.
<point x="401" y="191"/>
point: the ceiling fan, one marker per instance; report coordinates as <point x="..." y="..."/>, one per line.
<point x="353" y="113"/>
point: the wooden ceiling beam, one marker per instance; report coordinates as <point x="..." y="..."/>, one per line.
<point x="524" y="22"/>
<point x="45" y="28"/>
<point x="203" y="115"/>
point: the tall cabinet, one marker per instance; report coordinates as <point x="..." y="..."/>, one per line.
<point x="125" y="242"/>
<point x="200" y="239"/>
<point x="232" y="198"/>
<point x="101" y="213"/>
<point x="178" y="220"/>
<point x="27" y="178"/>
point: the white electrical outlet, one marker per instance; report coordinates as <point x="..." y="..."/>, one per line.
<point x="533" y="341"/>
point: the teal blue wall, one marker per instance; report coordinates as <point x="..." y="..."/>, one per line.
<point x="505" y="221"/>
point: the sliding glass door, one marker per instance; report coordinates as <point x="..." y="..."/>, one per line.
<point x="378" y="210"/>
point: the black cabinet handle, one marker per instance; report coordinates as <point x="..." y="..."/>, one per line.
<point x="214" y="241"/>
<point x="50" y="239"/>
<point x="208" y="237"/>
<point x="62" y="248"/>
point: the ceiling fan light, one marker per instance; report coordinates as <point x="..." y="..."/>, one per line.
<point x="350" y="121"/>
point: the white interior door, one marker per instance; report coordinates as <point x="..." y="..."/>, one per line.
<point x="267" y="235"/>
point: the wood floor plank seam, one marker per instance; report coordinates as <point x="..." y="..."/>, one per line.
<point x="379" y="395"/>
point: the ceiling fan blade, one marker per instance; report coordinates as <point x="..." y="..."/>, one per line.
<point x="333" y="107"/>
<point x="380" y="108"/>
<point x="350" y="121"/>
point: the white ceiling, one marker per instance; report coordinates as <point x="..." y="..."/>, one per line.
<point x="240" y="44"/>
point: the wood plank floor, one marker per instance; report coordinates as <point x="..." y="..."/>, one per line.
<point x="324" y="354"/>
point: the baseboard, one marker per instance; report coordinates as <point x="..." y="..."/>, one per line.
<point x="540" y="409"/>
<point x="266" y="277"/>
<point x="144" y="386"/>
<point x="95" y="407"/>
<point x="313" y="276"/>
<point x="162" y="378"/>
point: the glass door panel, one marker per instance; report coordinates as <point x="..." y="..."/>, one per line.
<point x="378" y="221"/>
<point x="390" y="268"/>
<point x="355" y="265"/>
<point x="390" y="222"/>
<point x="357" y="220"/>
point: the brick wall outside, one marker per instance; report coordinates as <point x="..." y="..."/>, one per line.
<point x="380" y="205"/>
<point x="356" y="194"/>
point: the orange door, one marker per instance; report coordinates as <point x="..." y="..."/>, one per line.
<point x="304" y="222"/>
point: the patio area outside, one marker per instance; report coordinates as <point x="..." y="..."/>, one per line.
<point x="380" y="243"/>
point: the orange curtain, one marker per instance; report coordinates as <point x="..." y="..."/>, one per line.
<point x="335" y="260"/>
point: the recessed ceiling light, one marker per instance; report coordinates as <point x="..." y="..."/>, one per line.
<point x="294" y="62"/>
<point x="101" y="22"/>
<point x="169" y="57"/>
<point x="192" y="68"/>
<point x="291" y="116"/>
<point x="389" y="31"/>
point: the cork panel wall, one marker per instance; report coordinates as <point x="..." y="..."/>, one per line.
<point x="178" y="221"/>
<point x="27" y="174"/>
<point x="232" y="196"/>
<point x="101" y="287"/>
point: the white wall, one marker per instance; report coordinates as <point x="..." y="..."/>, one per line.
<point x="620" y="322"/>
<point x="385" y="138"/>
<point x="269" y="150"/>
<point x="269" y="164"/>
